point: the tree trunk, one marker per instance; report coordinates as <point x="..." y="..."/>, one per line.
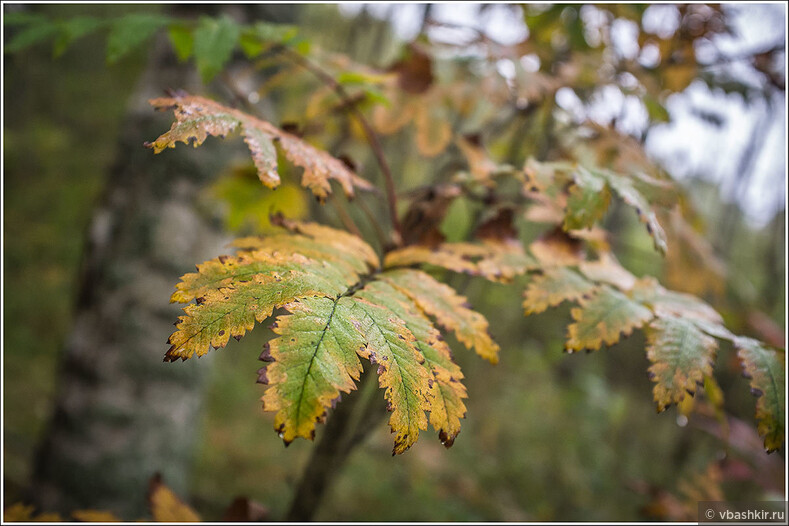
<point x="121" y="414"/>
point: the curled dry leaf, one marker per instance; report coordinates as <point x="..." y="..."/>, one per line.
<point x="197" y="117"/>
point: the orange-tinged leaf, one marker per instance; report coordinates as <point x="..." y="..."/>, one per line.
<point x="767" y="372"/>
<point x="440" y="257"/>
<point x="448" y="307"/>
<point x="433" y="132"/>
<point x="166" y="506"/>
<point x="95" y="516"/>
<point x="681" y="356"/>
<point x="198" y="117"/>
<point x="603" y="318"/>
<point x="557" y="249"/>
<point x="480" y="164"/>
<point x="607" y="269"/>
<point x="553" y="287"/>
<point x="390" y="119"/>
<point x="493" y="260"/>
<point x="264" y="155"/>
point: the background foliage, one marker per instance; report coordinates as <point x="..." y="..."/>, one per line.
<point x="547" y="436"/>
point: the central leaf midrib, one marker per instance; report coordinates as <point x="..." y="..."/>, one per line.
<point x="312" y="358"/>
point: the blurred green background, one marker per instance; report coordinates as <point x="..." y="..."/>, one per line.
<point x="547" y="436"/>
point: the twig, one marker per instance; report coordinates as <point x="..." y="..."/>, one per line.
<point x="372" y="137"/>
<point x="346" y="219"/>
<point x="376" y="226"/>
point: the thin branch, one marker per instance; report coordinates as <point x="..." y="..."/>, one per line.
<point x="373" y="221"/>
<point x="346" y="219"/>
<point x="372" y="137"/>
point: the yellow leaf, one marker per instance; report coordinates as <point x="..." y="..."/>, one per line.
<point x="166" y="506"/>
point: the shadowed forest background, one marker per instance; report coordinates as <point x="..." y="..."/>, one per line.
<point x="548" y="436"/>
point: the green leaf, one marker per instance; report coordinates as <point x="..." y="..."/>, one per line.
<point x="233" y="293"/>
<point x="73" y="29"/>
<point x="656" y="111"/>
<point x="214" y="40"/>
<point x="131" y="31"/>
<point x="587" y="201"/>
<point x="681" y="355"/>
<point x="766" y="370"/>
<point x="20" y="18"/>
<point x="34" y="32"/>
<point x="625" y="189"/>
<point x="275" y="33"/>
<point x="182" y="39"/>
<point x="314" y="359"/>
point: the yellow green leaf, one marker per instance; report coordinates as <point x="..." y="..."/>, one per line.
<point x="553" y="287"/>
<point x="766" y="369"/>
<point x="681" y="356"/>
<point x="401" y="369"/>
<point x="314" y="359"/>
<point x="603" y="318"/>
<point x="234" y="292"/>
<point x="587" y="201"/>
<point x="666" y="303"/>
<point x="448" y="307"/>
<point x="446" y="390"/>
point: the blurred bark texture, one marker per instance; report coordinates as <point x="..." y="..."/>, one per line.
<point x="121" y="413"/>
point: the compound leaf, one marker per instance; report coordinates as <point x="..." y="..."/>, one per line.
<point x="603" y="318"/>
<point x="340" y="307"/>
<point x="766" y="370"/>
<point x="681" y="355"/>
<point x="196" y="118"/>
